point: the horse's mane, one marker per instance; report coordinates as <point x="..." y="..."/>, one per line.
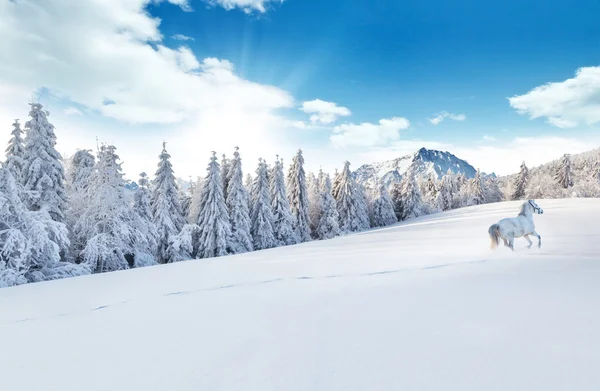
<point x="523" y="212"/>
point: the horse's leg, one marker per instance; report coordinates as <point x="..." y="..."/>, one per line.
<point x="528" y="240"/>
<point x="539" y="238"/>
<point x="511" y="244"/>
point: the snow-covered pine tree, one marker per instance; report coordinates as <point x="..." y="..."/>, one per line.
<point x="225" y="169"/>
<point x="166" y="207"/>
<point x="283" y="221"/>
<point x="493" y="192"/>
<point x="328" y="226"/>
<point x="262" y="215"/>
<point x="298" y="197"/>
<point x="15" y="152"/>
<point x="182" y="247"/>
<point x="185" y="190"/>
<point x="564" y="172"/>
<point x="383" y="209"/>
<point x="520" y="183"/>
<point x="80" y="169"/>
<point x="461" y="187"/>
<point x="43" y="173"/>
<point x="324" y="182"/>
<point x="475" y="191"/>
<point x="215" y="230"/>
<point x="237" y="204"/>
<point x="113" y="233"/>
<point x="194" y="212"/>
<point x="142" y="205"/>
<point x="142" y="199"/>
<point x="314" y="209"/>
<point x="350" y="202"/>
<point x="30" y="241"/>
<point x="364" y="197"/>
<point x="336" y="182"/>
<point x="248" y="182"/>
<point x="445" y="193"/>
<point x="396" y="197"/>
<point x="411" y="196"/>
<point x="431" y="190"/>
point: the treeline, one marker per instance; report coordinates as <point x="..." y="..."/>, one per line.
<point x="569" y="176"/>
<point x="74" y="217"/>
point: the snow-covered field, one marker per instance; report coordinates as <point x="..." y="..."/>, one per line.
<point x="423" y="305"/>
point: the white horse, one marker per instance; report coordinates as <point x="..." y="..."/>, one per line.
<point x="510" y="228"/>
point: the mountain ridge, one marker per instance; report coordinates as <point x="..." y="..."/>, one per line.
<point x="424" y="162"/>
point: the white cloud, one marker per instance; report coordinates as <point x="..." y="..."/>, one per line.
<point x="181" y="37"/>
<point x="73" y="111"/>
<point x="367" y="135"/>
<point x="98" y="52"/>
<point x="489" y="138"/>
<point x="444" y="114"/>
<point x="565" y="104"/>
<point x="324" y="112"/>
<point x="247" y="6"/>
<point x="183" y="4"/>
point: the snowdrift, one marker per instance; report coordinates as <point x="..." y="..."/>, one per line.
<point x="423" y="305"/>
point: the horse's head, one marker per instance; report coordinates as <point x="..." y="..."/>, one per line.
<point x="536" y="207"/>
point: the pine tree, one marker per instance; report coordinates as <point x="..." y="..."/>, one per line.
<point x="476" y="191"/>
<point x="445" y="193"/>
<point x="336" y="182"/>
<point x="237" y="204"/>
<point x="314" y="209"/>
<point x="248" y="185"/>
<point x="166" y="207"/>
<point x="493" y="192"/>
<point x="215" y="230"/>
<point x="113" y="233"/>
<point x="564" y="172"/>
<point x="411" y="196"/>
<point x="283" y="221"/>
<point x="194" y="212"/>
<point x="430" y="190"/>
<point x="262" y="215"/>
<point x="142" y="205"/>
<point x="324" y="182"/>
<point x="15" y="152"/>
<point x="328" y="226"/>
<point x="520" y="183"/>
<point x="225" y="172"/>
<point x="43" y="173"/>
<point x="350" y="203"/>
<point x="30" y="241"/>
<point x="185" y="194"/>
<point x="80" y="169"/>
<point x="396" y="197"/>
<point x="364" y="197"/>
<point x="383" y="209"/>
<point x="298" y="197"/>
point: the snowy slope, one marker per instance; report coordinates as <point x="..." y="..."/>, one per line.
<point x="424" y="162"/>
<point x="423" y="305"/>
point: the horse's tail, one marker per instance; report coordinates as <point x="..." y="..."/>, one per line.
<point x="494" y="232"/>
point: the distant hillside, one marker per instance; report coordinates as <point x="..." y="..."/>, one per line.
<point x="543" y="183"/>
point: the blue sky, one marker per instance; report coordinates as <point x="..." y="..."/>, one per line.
<point x="406" y="63"/>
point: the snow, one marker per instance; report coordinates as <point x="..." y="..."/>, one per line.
<point x="421" y="305"/>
